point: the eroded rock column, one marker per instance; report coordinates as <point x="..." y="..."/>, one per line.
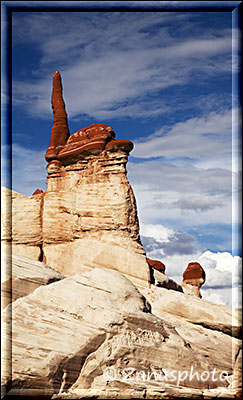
<point x="193" y="278"/>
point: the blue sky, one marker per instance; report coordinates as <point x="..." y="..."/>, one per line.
<point x="160" y="79"/>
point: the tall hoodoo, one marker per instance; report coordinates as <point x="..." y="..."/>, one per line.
<point x="89" y="209"/>
<point x="60" y="130"/>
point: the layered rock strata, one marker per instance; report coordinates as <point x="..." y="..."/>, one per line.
<point x="21" y="276"/>
<point x="89" y="213"/>
<point x="193" y="279"/>
<point x="21" y="228"/>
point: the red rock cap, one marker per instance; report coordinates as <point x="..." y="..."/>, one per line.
<point x="194" y="271"/>
<point x="86" y="141"/>
<point x="158" y="265"/>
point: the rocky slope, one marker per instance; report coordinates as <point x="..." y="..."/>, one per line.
<point x="96" y="334"/>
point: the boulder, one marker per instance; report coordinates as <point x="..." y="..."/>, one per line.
<point x="87" y="141"/>
<point x="119" y="145"/>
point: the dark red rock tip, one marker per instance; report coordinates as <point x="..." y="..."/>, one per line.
<point x="37" y="191"/>
<point x="194" y="271"/>
<point x="158" y="265"/>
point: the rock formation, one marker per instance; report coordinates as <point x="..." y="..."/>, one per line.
<point x="193" y="278"/>
<point x="79" y="319"/>
<point x="88" y="211"/>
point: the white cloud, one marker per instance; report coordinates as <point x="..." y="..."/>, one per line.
<point x="220" y="261"/>
<point x="159" y="232"/>
<point x="220" y="265"/>
<point x="192" y="182"/>
<point x="202" y="139"/>
<point x="218" y="296"/>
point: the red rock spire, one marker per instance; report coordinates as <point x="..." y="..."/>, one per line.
<point x="60" y="130"/>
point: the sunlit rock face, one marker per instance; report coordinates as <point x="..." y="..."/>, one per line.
<point x="193" y="278"/>
<point x="88" y="216"/>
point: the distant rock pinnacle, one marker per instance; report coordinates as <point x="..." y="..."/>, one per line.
<point x="194" y="275"/>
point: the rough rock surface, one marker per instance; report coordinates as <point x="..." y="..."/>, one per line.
<point x="197" y="311"/>
<point x="193" y="278"/>
<point x="21" y="276"/>
<point x="236" y="383"/>
<point x="64" y="342"/>
<point x="89" y="213"/>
